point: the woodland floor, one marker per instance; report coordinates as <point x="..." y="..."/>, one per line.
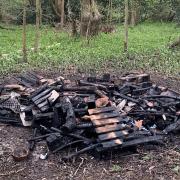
<point x="149" y="162"/>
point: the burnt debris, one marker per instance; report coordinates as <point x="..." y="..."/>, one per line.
<point x="93" y="114"/>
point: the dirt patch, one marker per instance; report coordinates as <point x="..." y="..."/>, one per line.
<point x="150" y="162"/>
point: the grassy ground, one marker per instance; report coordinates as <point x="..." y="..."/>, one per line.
<point x="147" y="50"/>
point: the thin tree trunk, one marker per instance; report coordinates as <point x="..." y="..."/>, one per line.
<point x="111" y="11"/>
<point x="24" y="48"/>
<point x="89" y="16"/>
<point x="41" y="13"/>
<point x="126" y="25"/>
<point x="62" y="13"/>
<point x="38" y="14"/>
<point x="133" y="13"/>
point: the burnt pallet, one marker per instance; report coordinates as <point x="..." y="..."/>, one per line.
<point x="106" y="121"/>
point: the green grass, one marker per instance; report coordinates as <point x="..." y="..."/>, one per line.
<point x="147" y="50"/>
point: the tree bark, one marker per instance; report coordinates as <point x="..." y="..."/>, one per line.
<point x="126" y="25"/>
<point x="90" y="18"/>
<point x="24" y="48"/>
<point x="62" y="13"/>
<point x="134" y="12"/>
<point x="38" y="15"/>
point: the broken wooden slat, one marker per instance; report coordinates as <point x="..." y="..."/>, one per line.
<point x="42" y="99"/>
<point x="112" y="143"/>
<point x="142" y="141"/>
<point x="102" y="122"/>
<point x="47" y="91"/>
<point x="109" y="128"/>
<point x="23" y="82"/>
<point x="113" y="135"/>
<point x="104" y="115"/>
<point x="100" y="110"/>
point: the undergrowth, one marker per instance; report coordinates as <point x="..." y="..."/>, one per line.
<point x="147" y="50"/>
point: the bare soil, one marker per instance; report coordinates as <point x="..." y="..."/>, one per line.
<point x="146" y="163"/>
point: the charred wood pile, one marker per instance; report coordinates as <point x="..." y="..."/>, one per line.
<point x="90" y="115"/>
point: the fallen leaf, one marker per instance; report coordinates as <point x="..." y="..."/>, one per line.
<point x="139" y="124"/>
<point x="101" y="102"/>
<point x="146" y="158"/>
<point x="121" y="105"/>
<point x="176" y="169"/>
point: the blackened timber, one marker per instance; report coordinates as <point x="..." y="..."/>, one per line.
<point x="71" y="135"/>
<point x="67" y="145"/>
<point x="21" y="81"/>
<point x="162" y="96"/>
<point x="173" y="127"/>
<point x="99" y="86"/>
<point x="83" y="88"/>
<point x="42" y="94"/>
<point x="41" y="99"/>
<point x="110" y="128"/>
<point x="80" y="151"/>
<point x="112" y="143"/>
<point x="102" y="122"/>
<point x="38" y="91"/>
<point x="142" y="141"/>
<point x="100" y="110"/>
<point x="137" y="134"/>
<point x="104" y="115"/>
<point x="44" y="115"/>
<point x="113" y="135"/>
<point x="67" y="108"/>
<point x="32" y="143"/>
<point x="126" y="97"/>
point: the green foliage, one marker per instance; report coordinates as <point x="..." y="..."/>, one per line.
<point x="147" y="50"/>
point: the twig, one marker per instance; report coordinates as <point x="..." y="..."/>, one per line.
<point x="82" y="161"/>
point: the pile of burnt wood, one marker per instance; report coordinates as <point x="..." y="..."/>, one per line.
<point x="93" y="114"/>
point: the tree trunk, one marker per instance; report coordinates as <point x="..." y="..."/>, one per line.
<point x="24" y="48"/>
<point x="134" y="12"/>
<point x="90" y="18"/>
<point x="126" y="25"/>
<point x="38" y="14"/>
<point x="58" y="6"/>
<point x="62" y="13"/>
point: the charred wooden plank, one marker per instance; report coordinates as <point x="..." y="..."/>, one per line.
<point x="47" y="91"/>
<point x="100" y="110"/>
<point x="44" y="115"/>
<point x="42" y="99"/>
<point x="102" y="122"/>
<point x="23" y="82"/>
<point x="137" y="134"/>
<point x="142" y="141"/>
<point x="104" y="115"/>
<point x="99" y="86"/>
<point x="110" y="128"/>
<point x="38" y="91"/>
<point x="112" y="143"/>
<point x="126" y="97"/>
<point x="113" y="135"/>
